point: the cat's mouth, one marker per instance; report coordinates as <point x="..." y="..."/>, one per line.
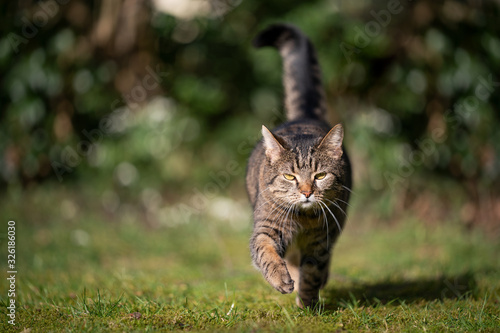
<point x="307" y="202"/>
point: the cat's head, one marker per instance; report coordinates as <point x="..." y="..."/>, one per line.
<point x="306" y="173"/>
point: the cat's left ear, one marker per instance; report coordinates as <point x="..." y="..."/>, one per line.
<point x="332" y="142"/>
<point x="273" y="148"/>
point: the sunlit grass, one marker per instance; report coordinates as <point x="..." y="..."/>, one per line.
<point x="94" y="273"/>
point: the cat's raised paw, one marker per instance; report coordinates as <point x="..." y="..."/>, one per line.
<point x="281" y="281"/>
<point x="286" y="288"/>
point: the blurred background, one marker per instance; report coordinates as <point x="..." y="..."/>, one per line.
<point x="145" y="112"/>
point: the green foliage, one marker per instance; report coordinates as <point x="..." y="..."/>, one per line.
<point x="421" y="65"/>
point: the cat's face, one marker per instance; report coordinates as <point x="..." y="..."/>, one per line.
<point x="306" y="177"/>
<point x="304" y="188"/>
<point x="305" y="185"/>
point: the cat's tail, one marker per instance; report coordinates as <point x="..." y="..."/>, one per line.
<point x="304" y="95"/>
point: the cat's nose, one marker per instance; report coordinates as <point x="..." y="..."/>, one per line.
<point x="307" y="194"/>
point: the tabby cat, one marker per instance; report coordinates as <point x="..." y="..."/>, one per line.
<point x="298" y="177"/>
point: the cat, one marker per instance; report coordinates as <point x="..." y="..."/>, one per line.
<point x="298" y="177"/>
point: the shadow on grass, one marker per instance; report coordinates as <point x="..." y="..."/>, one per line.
<point x="388" y="292"/>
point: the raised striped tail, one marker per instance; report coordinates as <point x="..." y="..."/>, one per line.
<point x="304" y="94"/>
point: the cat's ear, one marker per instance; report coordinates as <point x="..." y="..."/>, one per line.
<point x="332" y="142"/>
<point x="273" y="148"/>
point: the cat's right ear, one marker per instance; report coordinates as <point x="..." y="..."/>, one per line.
<point x="272" y="147"/>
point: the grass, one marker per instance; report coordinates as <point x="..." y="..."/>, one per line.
<point x="80" y="269"/>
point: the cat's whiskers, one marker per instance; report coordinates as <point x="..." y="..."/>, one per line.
<point x="333" y="215"/>
<point x="336" y="205"/>
<point x="348" y="205"/>
<point x="276" y="207"/>
<point x="273" y="202"/>
<point x="279" y="219"/>
<point x="347" y="188"/>
<point x="294" y="209"/>
<point x="325" y="221"/>
<point x="264" y="190"/>
<point x="285" y="217"/>
<point x="296" y="212"/>
<point x="289" y="208"/>
<point x="265" y="201"/>
<point x="286" y="211"/>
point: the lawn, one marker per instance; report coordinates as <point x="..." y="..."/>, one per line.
<point x="80" y="268"/>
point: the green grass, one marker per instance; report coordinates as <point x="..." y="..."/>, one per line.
<point x="80" y="269"/>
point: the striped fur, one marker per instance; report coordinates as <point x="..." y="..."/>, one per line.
<point x="304" y="95"/>
<point x="298" y="178"/>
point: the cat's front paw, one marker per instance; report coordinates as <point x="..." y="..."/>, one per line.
<point x="280" y="279"/>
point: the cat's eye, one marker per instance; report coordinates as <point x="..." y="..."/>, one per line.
<point x="320" y="176"/>
<point x="288" y="176"/>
